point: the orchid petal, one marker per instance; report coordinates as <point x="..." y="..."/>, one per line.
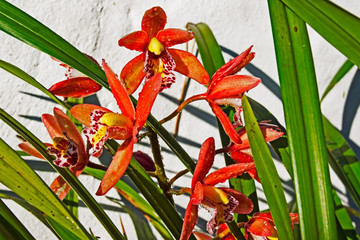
<point x="190" y="219"/>
<point x="117" y="167"/>
<point x="202" y="236"/>
<point x="132" y="74"/>
<point x="260" y="226"/>
<point x="75" y="87"/>
<point x="227" y="172"/>
<point x="153" y="21"/>
<point x="135" y="41"/>
<point x="119" y="92"/>
<point x="60" y="187"/>
<point x="172" y="36"/>
<point x="29" y="149"/>
<point x="234" y="65"/>
<point x="225" y="122"/>
<point x="232" y="86"/>
<point x="245" y="204"/>
<point x="269" y="131"/>
<point x="188" y="65"/>
<point x="146" y="100"/>
<point x="205" y="162"/>
<point x="82" y="112"/>
<point x="197" y="194"/>
<point x="68" y="126"/>
<point x="52" y="126"/>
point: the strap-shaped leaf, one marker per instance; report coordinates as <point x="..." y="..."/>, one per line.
<point x="11" y="227"/>
<point x="20" y="178"/>
<point x="269" y="178"/>
<point x="326" y="20"/>
<point x="304" y="124"/>
<point x="66" y="174"/>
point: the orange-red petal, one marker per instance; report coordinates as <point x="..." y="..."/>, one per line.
<point x="190" y="219"/>
<point x="52" y="126"/>
<point x="135" y="41"/>
<point x="76" y="87"/>
<point x="117" y="167"/>
<point x="227" y="172"/>
<point x="225" y="122"/>
<point x="172" y="36"/>
<point x="197" y="194"/>
<point x="132" y="74"/>
<point x="153" y="21"/>
<point x="188" y="65"/>
<point x="245" y="204"/>
<point x="119" y="92"/>
<point x="82" y="112"/>
<point x="205" y="162"/>
<point x="67" y="126"/>
<point x="146" y="100"/>
<point x="269" y="131"/>
<point x="232" y="86"/>
<point x="60" y="187"/>
<point x="29" y="149"/>
<point x="234" y="65"/>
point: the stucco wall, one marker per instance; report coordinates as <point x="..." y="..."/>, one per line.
<point x="95" y="27"/>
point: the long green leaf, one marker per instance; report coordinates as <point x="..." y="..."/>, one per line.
<point x="20" y="178"/>
<point x="304" y="125"/>
<point x="345" y="68"/>
<point x="31" y="209"/>
<point x="265" y="167"/>
<point x="343" y="160"/>
<point x="69" y="177"/>
<point x="15" y="228"/>
<point x="340" y="35"/>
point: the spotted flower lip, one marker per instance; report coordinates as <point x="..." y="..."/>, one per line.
<point x="67" y="147"/>
<point x="76" y="85"/>
<point x="103" y="124"/>
<point x="220" y="202"/>
<point x="156" y="57"/>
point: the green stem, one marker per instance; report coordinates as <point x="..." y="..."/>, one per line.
<point x="159" y="165"/>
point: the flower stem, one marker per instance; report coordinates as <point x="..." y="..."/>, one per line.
<point x="159" y="165"/>
<point x="177" y="176"/>
<point x="183" y="105"/>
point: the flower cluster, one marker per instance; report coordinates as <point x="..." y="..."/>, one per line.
<point x="155" y="65"/>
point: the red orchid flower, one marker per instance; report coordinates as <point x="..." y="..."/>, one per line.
<point x="241" y="153"/>
<point x="76" y="85"/>
<point x="220" y="202"/>
<point x="262" y="227"/>
<point x="156" y="57"/>
<point x="103" y="124"/>
<point x="67" y="147"/>
<point x="225" y="88"/>
<point x="223" y="233"/>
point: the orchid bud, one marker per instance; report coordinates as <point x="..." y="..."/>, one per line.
<point x="145" y="161"/>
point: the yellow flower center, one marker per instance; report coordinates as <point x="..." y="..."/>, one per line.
<point x="155" y="46"/>
<point x="60" y="143"/>
<point x="114" y="119"/>
<point x="100" y="134"/>
<point x="215" y="194"/>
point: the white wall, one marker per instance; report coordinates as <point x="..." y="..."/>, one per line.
<point x="95" y="27"/>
